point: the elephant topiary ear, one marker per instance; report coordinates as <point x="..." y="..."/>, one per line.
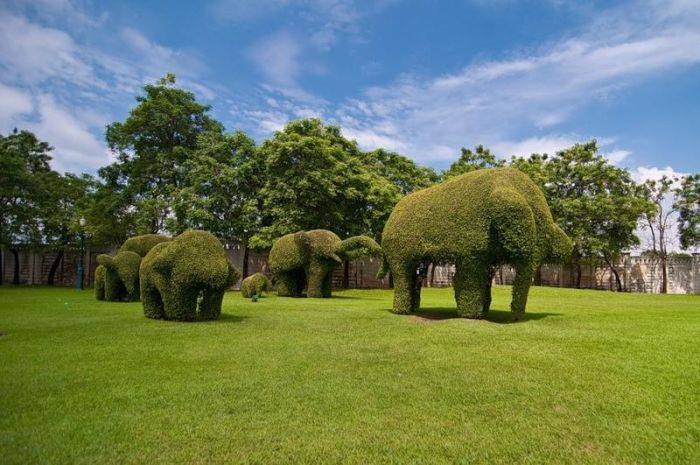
<point x="358" y="246"/>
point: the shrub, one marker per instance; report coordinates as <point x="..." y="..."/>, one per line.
<point x="119" y="278"/>
<point x="100" y="282"/>
<point x="185" y="279"/>
<point x="309" y="258"/>
<point x="255" y="285"/>
<point x="477" y="221"/>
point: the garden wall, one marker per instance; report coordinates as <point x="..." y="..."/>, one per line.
<point x="638" y="274"/>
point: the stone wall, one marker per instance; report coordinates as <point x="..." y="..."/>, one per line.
<point x="637" y="274"/>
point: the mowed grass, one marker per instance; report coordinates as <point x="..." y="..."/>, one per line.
<point x="588" y="378"/>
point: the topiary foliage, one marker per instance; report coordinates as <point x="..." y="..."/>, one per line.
<point x="255" y="285"/>
<point x="307" y="259"/>
<point x="100" y="282"/>
<point x="185" y="279"/>
<point x="119" y="275"/>
<point x="477" y="221"/>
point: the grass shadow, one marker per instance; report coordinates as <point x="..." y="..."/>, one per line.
<point x="228" y="318"/>
<point x="493" y="316"/>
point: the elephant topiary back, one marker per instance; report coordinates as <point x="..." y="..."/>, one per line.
<point x="178" y="273"/>
<point x="142" y="244"/>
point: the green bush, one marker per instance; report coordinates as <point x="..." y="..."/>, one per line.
<point x="185" y="279"/>
<point x="100" y="282"/>
<point x="119" y="276"/>
<point x="255" y="285"/>
<point x="477" y="221"/>
<point x="308" y="258"/>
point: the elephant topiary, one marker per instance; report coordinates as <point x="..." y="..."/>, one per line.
<point x="477" y="221"/>
<point x="117" y="277"/>
<point x="255" y="285"/>
<point x="185" y="279"/>
<point x="311" y="256"/>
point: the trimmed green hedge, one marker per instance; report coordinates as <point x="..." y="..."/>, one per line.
<point x="307" y="259"/>
<point x="477" y="221"/>
<point x="255" y="285"/>
<point x="119" y="275"/>
<point x="185" y="279"/>
<point x="100" y="282"/>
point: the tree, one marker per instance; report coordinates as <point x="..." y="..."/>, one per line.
<point x="221" y="190"/>
<point x="688" y="205"/>
<point x="317" y="179"/>
<point x="597" y="204"/>
<point x="24" y="173"/>
<point x="480" y="158"/>
<point x="658" y="220"/>
<point x="152" y="145"/>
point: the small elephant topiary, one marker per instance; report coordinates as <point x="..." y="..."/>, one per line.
<point x="185" y="279"/>
<point x="117" y="277"/>
<point x="255" y="285"/>
<point x="309" y="257"/>
<point x="477" y="221"/>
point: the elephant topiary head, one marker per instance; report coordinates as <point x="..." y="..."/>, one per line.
<point x="311" y="256"/>
<point x="121" y="275"/>
<point x="117" y="277"/>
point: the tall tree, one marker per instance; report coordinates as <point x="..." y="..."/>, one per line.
<point x="480" y="158"/>
<point x="221" y="192"/>
<point x="24" y="174"/>
<point x="688" y="205"/>
<point x="597" y="204"/>
<point x="317" y="179"/>
<point x="658" y="219"/>
<point x="152" y="145"/>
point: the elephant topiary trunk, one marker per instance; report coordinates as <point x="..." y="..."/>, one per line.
<point x="185" y="279"/>
<point x="478" y="221"/>
<point x="307" y="259"/>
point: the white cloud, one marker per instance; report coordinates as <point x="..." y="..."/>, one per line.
<point x="488" y="102"/>
<point x="14" y="103"/>
<point x="617" y="156"/>
<point x="76" y="147"/>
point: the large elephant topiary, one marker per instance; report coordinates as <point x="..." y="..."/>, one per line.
<point x="309" y="257"/>
<point x="477" y="221"/>
<point x="117" y="277"/>
<point x="185" y="279"/>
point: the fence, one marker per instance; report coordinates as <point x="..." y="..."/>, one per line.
<point x="637" y="274"/>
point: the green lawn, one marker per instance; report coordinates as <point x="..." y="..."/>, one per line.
<point x="588" y="377"/>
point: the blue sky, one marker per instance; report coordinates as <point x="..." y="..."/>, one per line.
<point x="420" y="77"/>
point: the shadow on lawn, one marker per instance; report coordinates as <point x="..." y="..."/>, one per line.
<point x="494" y="316"/>
<point x="228" y="318"/>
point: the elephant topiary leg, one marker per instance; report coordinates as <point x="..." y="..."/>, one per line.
<point x="406" y="290"/>
<point x="288" y="284"/>
<point x="114" y="289"/>
<point x="210" y="306"/>
<point x="152" y="302"/>
<point x="470" y="289"/>
<point x="181" y="304"/>
<point x="327" y="286"/>
<point x="487" y="290"/>
<point x="521" y="288"/>
<point x="317" y="276"/>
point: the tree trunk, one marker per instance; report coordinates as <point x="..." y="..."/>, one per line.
<point x="15" y="278"/>
<point x="664" y="268"/>
<point x="578" y="274"/>
<point x="2" y="266"/>
<point x="391" y="280"/>
<point x="246" y="255"/>
<point x="615" y="273"/>
<point x="346" y="274"/>
<point x="538" y="276"/>
<point x="432" y="276"/>
<point x="54" y="267"/>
